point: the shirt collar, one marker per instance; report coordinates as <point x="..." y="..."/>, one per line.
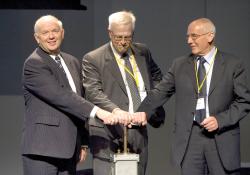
<point x="54" y="56"/>
<point x="209" y="56"/>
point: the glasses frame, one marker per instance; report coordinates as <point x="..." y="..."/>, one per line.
<point x="195" y="36"/>
<point x="119" y="38"/>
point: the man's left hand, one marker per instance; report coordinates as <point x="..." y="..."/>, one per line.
<point x="83" y="154"/>
<point x="210" y="124"/>
<point x="139" y="118"/>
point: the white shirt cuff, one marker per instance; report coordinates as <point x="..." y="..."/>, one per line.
<point x="93" y="112"/>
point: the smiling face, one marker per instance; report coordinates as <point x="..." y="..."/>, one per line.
<point x="200" y="37"/>
<point x="49" y="35"/>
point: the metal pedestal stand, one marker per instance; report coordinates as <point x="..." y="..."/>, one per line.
<point x="125" y="163"/>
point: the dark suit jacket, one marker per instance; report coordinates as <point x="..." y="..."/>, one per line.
<point x="229" y="102"/>
<point x="105" y="87"/>
<point x="53" y="112"/>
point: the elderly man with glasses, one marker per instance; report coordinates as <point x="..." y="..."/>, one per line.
<point x="117" y="76"/>
<point x="211" y="96"/>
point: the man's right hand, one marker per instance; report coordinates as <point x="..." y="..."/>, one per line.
<point x="107" y="117"/>
<point x="123" y="117"/>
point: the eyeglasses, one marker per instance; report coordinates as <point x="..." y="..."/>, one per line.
<point x="120" y="37"/>
<point x="195" y="36"/>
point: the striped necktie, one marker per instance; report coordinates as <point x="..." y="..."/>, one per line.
<point x="131" y="83"/>
<point x="200" y="114"/>
<point x="58" y="61"/>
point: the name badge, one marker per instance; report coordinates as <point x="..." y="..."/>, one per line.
<point x="200" y="103"/>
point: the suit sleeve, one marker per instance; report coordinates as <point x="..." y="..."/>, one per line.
<point x="240" y="106"/>
<point x="154" y="70"/>
<point x="39" y="80"/>
<point x="92" y="83"/>
<point x="157" y="118"/>
<point x="159" y="94"/>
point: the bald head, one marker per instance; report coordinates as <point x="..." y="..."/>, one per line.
<point x="201" y="36"/>
<point x="204" y="24"/>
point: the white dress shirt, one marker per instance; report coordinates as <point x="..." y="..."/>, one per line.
<point x="71" y="81"/>
<point x="141" y="85"/>
<point x="66" y="70"/>
<point x="209" y="64"/>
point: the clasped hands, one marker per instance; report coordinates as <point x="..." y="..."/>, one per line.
<point x="125" y="118"/>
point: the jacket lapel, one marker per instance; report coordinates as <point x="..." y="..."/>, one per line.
<point x="191" y="72"/>
<point x="114" y="68"/>
<point x="53" y="65"/>
<point x="217" y="73"/>
<point x="73" y="71"/>
<point x="142" y="65"/>
<point x="48" y="60"/>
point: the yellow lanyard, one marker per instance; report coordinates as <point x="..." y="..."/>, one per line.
<point x="196" y="72"/>
<point x="133" y="75"/>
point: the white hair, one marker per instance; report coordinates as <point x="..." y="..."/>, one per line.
<point x="46" y="18"/>
<point x="122" y="18"/>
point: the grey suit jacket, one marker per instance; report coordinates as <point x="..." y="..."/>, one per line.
<point x="229" y="102"/>
<point x="54" y="114"/>
<point x="105" y="87"/>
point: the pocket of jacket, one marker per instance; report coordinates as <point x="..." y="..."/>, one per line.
<point x="47" y="120"/>
<point x="95" y="122"/>
<point x="235" y="131"/>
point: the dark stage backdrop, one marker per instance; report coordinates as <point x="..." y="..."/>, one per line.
<point x="160" y="24"/>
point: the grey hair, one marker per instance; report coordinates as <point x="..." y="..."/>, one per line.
<point x="122" y="17"/>
<point x="46" y="18"/>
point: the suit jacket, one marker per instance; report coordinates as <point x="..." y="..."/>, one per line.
<point x="54" y="114"/>
<point x="228" y="100"/>
<point x="105" y="87"/>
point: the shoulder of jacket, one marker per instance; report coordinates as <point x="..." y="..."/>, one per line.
<point x="140" y="46"/>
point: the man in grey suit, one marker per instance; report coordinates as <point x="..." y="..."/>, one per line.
<point x="55" y="112"/>
<point x="210" y="144"/>
<point x="117" y="76"/>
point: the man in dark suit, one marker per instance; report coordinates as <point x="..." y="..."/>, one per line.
<point x="117" y="76"/>
<point x="55" y="112"/>
<point x="212" y="143"/>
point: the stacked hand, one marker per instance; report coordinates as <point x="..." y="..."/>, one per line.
<point x="139" y="118"/>
<point x="128" y="119"/>
<point x="106" y="117"/>
<point x="122" y="117"/>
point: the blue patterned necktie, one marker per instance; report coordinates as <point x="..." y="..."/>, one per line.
<point x="131" y="83"/>
<point x="200" y="114"/>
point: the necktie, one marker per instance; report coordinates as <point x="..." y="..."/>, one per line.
<point x="131" y="83"/>
<point x="58" y="61"/>
<point x="200" y="114"/>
